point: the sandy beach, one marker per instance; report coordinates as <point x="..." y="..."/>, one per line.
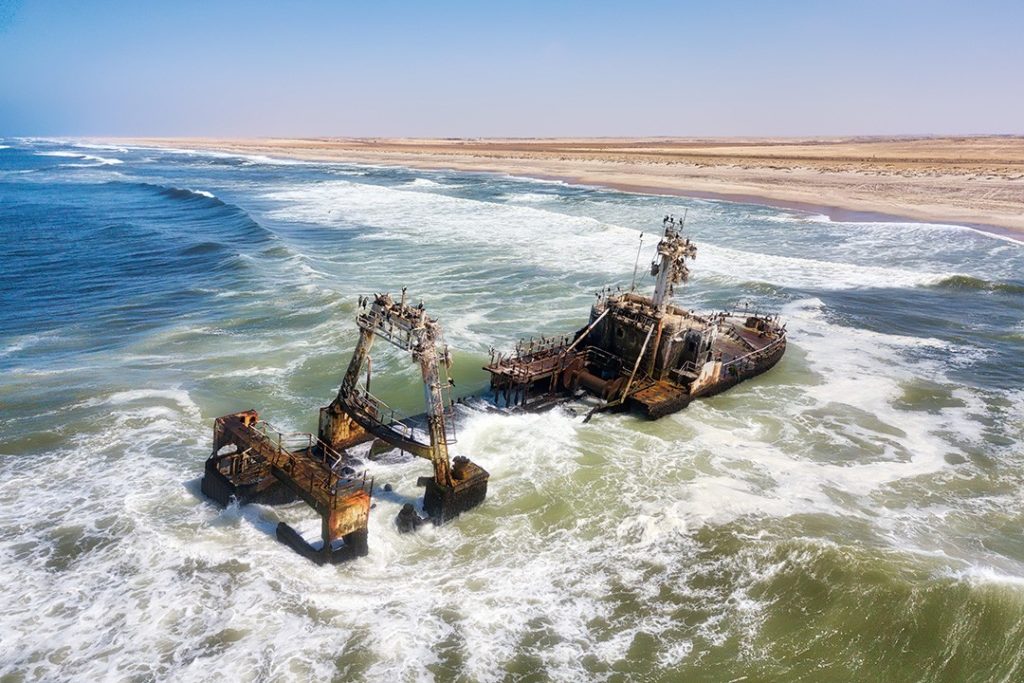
<point x="976" y="181"/>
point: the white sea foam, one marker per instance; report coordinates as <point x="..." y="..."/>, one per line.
<point x="860" y="369"/>
<point x="530" y="198"/>
<point x="347" y="172"/>
<point x="18" y="345"/>
<point x="173" y="574"/>
<point x="982" y="576"/>
<point x="786" y="218"/>
<point x="515" y="232"/>
<point x="1008" y="236"/>
<point x="271" y="161"/>
<point x="547" y="238"/>
<point x="763" y="461"/>
<point x="27" y="341"/>
<point x="247" y="159"/>
<point x="101" y="161"/>
<point x="794" y="271"/>
<point x="179" y="397"/>
<point x="425" y="183"/>
<point x="114" y="148"/>
<point x="539" y="181"/>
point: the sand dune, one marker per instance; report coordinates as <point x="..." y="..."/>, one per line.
<point x="966" y="180"/>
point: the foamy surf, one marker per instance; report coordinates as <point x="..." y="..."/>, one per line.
<point x="102" y="161"/>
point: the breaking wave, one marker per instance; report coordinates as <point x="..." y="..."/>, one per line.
<point x="966" y="282"/>
<point x="221" y="213"/>
<point x="100" y="161"/>
<point x="545" y="236"/>
<point x="186" y="193"/>
<point x="425" y="183"/>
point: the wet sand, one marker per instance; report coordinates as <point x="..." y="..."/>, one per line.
<point x="975" y="181"/>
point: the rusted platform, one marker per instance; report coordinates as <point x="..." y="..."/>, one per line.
<point x="513" y="377"/>
<point x="659" y="399"/>
<point x="251" y="463"/>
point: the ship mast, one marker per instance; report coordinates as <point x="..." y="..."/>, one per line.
<point x="670" y="264"/>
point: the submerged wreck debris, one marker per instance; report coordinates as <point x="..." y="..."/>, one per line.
<point x="253" y="462"/>
<point x="636" y="352"/>
<point x="642" y="353"/>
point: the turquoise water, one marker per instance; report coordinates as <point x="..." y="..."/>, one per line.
<point x="855" y="514"/>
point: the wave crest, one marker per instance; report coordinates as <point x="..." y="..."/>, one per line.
<point x="967" y="282"/>
<point x="100" y="161"/>
<point x="188" y="194"/>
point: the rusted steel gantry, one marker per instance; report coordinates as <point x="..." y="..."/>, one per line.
<point x="356" y="414"/>
<point x="253" y="462"/>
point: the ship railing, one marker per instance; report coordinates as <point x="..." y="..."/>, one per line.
<point x="382" y="413"/>
<point x="299" y="441"/>
<point x="754" y="356"/>
<point x="536" y="350"/>
<point x="521" y="368"/>
<point x="395" y="325"/>
<point x="690" y="366"/>
<point x="373" y="323"/>
<point x="596" y="356"/>
<point x="326" y="479"/>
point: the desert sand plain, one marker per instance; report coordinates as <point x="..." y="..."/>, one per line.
<point x="976" y="181"/>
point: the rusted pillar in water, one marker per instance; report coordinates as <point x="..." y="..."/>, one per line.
<point x="337" y="428"/>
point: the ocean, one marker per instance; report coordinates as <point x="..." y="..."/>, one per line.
<point x="854" y="514"/>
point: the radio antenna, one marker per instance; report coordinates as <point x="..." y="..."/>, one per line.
<point x="636" y="263"/>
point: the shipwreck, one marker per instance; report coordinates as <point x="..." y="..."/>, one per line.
<point x="637" y="352"/>
<point x="253" y="462"/>
<point x="642" y="352"/>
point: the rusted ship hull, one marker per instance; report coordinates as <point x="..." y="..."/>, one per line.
<point x="252" y="462"/>
<point x="642" y="352"/>
<point x="545" y="376"/>
<point x="675" y="400"/>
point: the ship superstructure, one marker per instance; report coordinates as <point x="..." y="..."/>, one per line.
<point x="643" y="352"/>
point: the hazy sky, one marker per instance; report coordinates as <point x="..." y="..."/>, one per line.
<point x="511" y="68"/>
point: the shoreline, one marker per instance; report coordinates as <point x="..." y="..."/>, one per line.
<point x="838" y="214"/>
<point x="976" y="184"/>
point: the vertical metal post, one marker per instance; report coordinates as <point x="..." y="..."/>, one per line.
<point x="636" y="264"/>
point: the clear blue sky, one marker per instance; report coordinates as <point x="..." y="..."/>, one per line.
<point x="511" y="68"/>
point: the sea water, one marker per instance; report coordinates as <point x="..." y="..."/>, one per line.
<point x="854" y="514"/>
